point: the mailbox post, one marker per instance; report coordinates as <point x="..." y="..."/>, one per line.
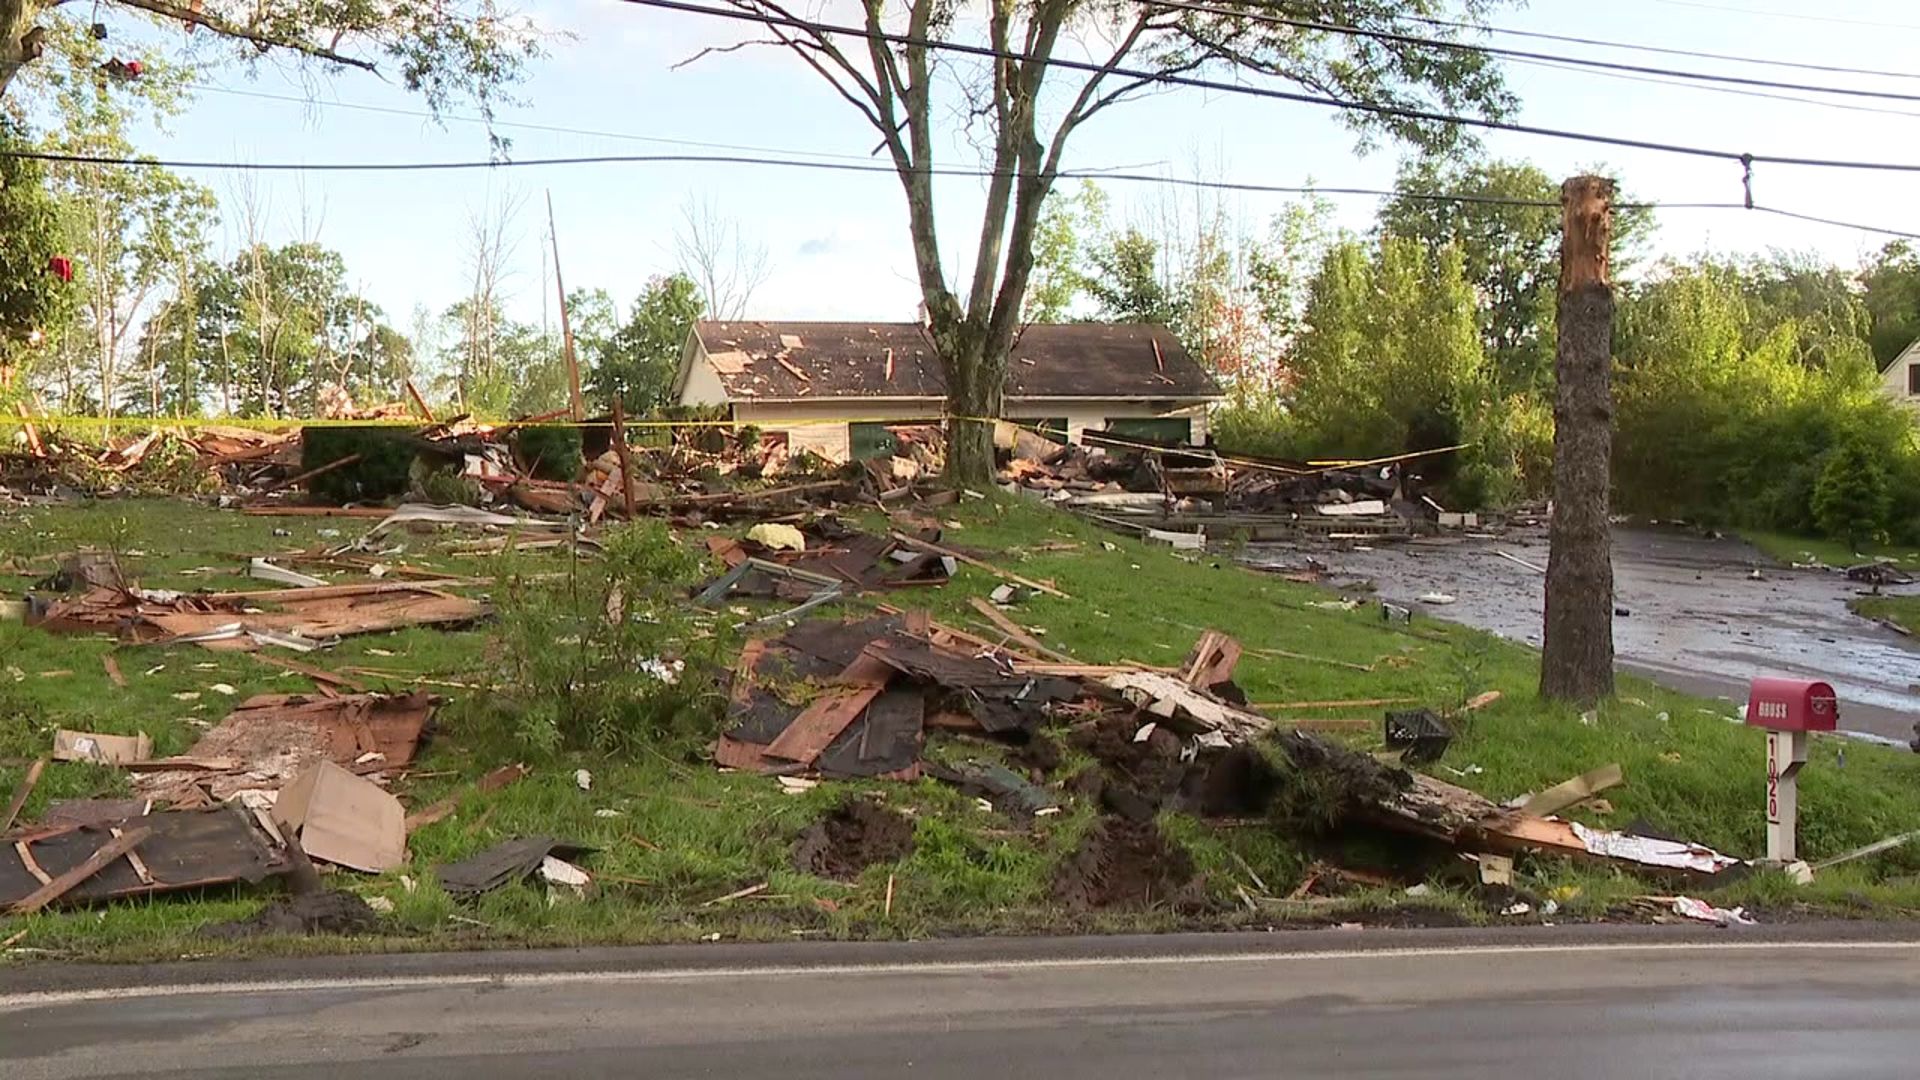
<point x="1788" y="709"/>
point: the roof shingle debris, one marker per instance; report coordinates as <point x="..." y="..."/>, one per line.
<point x="774" y="360"/>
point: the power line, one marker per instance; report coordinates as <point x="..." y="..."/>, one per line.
<point x="1734" y="90"/>
<point x="1466" y="198"/>
<point x="1790" y="15"/>
<point x="1662" y="50"/>
<point x="1169" y="79"/>
<point x="1518" y="54"/>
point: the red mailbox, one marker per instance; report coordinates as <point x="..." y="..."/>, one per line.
<point x="1792" y="705"/>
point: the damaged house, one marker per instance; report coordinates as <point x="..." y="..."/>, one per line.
<point x="834" y="388"/>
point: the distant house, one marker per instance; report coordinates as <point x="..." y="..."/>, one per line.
<point x="833" y="388"/>
<point x="1902" y="377"/>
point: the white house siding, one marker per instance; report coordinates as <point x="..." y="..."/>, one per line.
<point x="1093" y="415"/>
<point x="1897" y="378"/>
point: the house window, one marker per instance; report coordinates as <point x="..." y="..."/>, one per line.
<point x="1913" y="380"/>
<point x="1165" y="430"/>
<point x="871" y="440"/>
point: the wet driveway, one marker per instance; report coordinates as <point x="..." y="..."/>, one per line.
<point x="1697" y="620"/>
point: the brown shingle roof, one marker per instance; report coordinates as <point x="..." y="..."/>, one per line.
<point x="775" y="360"/>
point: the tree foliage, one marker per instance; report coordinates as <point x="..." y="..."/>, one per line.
<point x="1025" y="108"/>
<point x="1852" y="498"/>
<point x="636" y="364"/>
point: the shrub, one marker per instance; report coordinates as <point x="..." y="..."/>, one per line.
<point x="1852" y="499"/>
<point x="549" y="451"/>
<point x="609" y="659"/>
<point x="385" y="468"/>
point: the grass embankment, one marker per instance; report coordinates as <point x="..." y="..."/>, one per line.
<point x="1788" y="548"/>
<point x="674" y="834"/>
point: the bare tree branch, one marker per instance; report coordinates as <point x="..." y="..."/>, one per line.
<point x="265" y="41"/>
<point x="717" y="49"/>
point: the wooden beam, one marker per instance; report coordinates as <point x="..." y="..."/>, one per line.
<point x="566" y="325"/>
<point x="72" y="879"/>
<point x="318" y="675"/>
<point x="1017" y="632"/>
<point x="20" y="794"/>
<point x="419" y="403"/>
<point x="310" y="474"/>
<point x="927" y="545"/>
<point x="626" y="454"/>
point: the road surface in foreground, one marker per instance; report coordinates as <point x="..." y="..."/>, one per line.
<point x="1745" y="1009"/>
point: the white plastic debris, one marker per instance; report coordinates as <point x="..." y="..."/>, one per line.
<point x="795" y="785"/>
<point x="564" y="874"/>
<point x="584" y="779"/>
<point x="1145" y="732"/>
<point x="609" y="813"/>
<point x="1650" y="852"/>
<point x="380" y="904"/>
<point x="1705" y="912"/>
<point x="1515" y="910"/>
<point x="1421" y="889"/>
<point x="662" y="670"/>
<point x="1437" y="599"/>
<point x="1003" y="594"/>
<point x="223" y="688"/>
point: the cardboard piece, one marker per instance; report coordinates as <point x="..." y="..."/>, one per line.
<point x="101" y="749"/>
<point x="343" y="819"/>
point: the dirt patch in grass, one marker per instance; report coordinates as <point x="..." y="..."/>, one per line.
<point x="858" y="834"/>
<point x="325" y="912"/>
<point x="1126" y="864"/>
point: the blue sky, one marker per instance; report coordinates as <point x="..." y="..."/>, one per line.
<point x="838" y="242"/>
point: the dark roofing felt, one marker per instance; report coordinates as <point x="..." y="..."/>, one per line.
<point x="1097" y="360"/>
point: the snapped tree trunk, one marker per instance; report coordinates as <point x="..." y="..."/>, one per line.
<point x="1576" y="661"/>
<point x="19" y="44"/>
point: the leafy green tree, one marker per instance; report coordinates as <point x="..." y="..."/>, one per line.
<point x="1057" y="279"/>
<point x="1511" y="252"/>
<point x="1028" y="107"/>
<point x="1891" y="282"/>
<point x="449" y="52"/>
<point x="36" y="306"/>
<point x="638" y="362"/>
<point x="1853" y="497"/>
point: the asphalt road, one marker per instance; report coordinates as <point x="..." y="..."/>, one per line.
<point x="1744" y="1007"/>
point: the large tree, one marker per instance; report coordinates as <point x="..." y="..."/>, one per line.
<point x="450" y="52"/>
<point x="1027" y="106"/>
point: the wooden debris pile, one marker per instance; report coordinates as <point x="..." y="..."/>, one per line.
<point x="298" y="618"/>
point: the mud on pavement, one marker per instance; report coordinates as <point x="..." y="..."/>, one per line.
<point x="1696" y="618"/>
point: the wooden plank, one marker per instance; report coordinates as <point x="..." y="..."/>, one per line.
<point x="337" y="592"/>
<point x="626" y="454"/>
<point x="1349" y="703"/>
<point x="319" y="675"/>
<point x="926" y="545"/>
<point x="831" y="713"/>
<point x="419" y="402"/>
<point x="113" y="672"/>
<point x="318" y="511"/>
<point x="1017" y="632"/>
<point x="20" y="794"/>
<point x="310" y="474"/>
<point x="65" y="883"/>
<point x="792" y="370"/>
<point x="1580" y="788"/>
<point x="1212" y="660"/>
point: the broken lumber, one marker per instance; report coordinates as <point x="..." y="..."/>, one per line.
<point x="302" y="478"/>
<point x="1579" y="789"/>
<point x="113" y="672"/>
<point x="21" y="792"/>
<point x="318" y="675"/>
<point x="1212" y="660"/>
<point x="1348" y="703"/>
<point x="1017" y="632"/>
<point x="67" y="882"/>
<point x="929" y="546"/>
<point x="831" y="713"/>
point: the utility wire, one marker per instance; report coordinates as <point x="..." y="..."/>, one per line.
<point x="1760" y="13"/>
<point x="1256" y="14"/>
<point x="1734" y="90"/>
<point x="1169" y="79"/>
<point x="1662" y="50"/>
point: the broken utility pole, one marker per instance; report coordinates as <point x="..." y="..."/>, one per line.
<point x="566" y="327"/>
<point x="1576" y="662"/>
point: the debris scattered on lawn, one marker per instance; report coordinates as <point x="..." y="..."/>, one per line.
<point x="564" y="874"/>
<point x="1574" y="791"/>
<point x="338" y="817"/>
<point x="502" y="864"/>
<point x="21" y="793"/>
<point x="101" y="749"/>
<point x="269" y="739"/>
<point x="1420" y="735"/>
<point x="184" y="849"/>
<point x="583" y="779"/>
<point x="1699" y="909"/>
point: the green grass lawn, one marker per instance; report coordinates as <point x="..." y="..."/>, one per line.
<point x="1903" y="610"/>
<point x="673" y="833"/>
<point x="1788" y="548"/>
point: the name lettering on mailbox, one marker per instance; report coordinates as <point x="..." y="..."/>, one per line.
<point x="1773" y="710"/>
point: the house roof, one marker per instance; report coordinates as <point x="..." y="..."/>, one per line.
<point x="803" y="360"/>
